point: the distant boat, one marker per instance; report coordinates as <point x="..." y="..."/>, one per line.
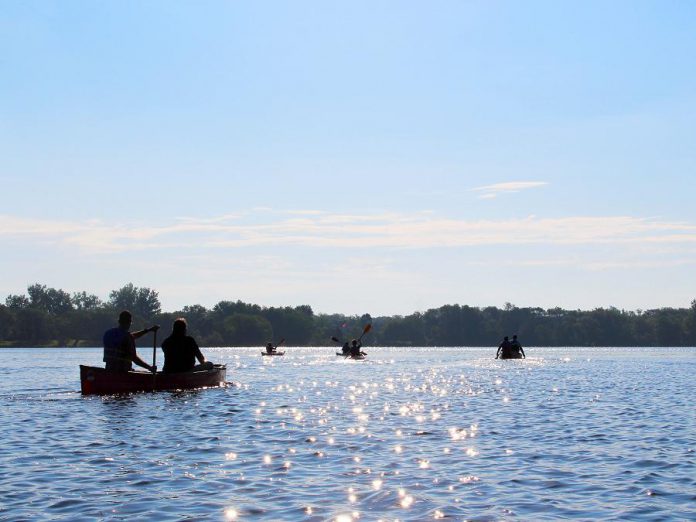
<point x="94" y="380"/>
<point x="348" y="356"/>
<point x="273" y="353"/>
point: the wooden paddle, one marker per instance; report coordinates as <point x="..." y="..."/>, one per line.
<point x="154" y="361"/>
<point x="335" y="339"/>
<point x="154" y="351"/>
<point x="367" y="328"/>
<point x="274" y="347"/>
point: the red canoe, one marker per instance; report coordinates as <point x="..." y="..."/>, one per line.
<point x="95" y="380"/>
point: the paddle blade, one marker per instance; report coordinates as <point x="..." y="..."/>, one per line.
<point x="281" y="342"/>
<point x="367" y="328"/>
<point x="335" y="339"/>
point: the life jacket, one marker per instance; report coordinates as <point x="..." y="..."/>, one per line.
<point x="117" y="342"/>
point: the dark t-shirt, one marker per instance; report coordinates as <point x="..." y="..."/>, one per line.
<point x="506" y="349"/>
<point x="180" y="353"/>
<point x="516" y="347"/>
<point x="118" y="346"/>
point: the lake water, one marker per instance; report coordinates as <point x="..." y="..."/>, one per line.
<point x="422" y="434"/>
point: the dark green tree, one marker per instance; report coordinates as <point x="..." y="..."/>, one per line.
<point x="143" y="302"/>
<point x="246" y="330"/>
<point x="7" y="323"/>
<point x="17" y="302"/>
<point x="691" y="324"/>
<point x="293" y="324"/>
<point x="84" y="301"/>
<point x="49" y="300"/>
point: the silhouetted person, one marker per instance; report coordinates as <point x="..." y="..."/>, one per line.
<point x="355" y="346"/>
<point x="516" y="347"/>
<point x="504" y="349"/>
<point x="346" y="348"/>
<point x="181" y="351"/>
<point x="270" y="348"/>
<point x="119" y="345"/>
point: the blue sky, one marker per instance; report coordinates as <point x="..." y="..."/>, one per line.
<point x="381" y="157"/>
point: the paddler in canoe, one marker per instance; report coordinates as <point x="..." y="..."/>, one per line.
<point x="272" y="349"/>
<point x="119" y="345"/>
<point x="510" y="349"/>
<point x="181" y="351"/>
<point x="517" y="348"/>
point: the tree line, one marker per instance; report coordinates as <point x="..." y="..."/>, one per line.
<point x="52" y="317"/>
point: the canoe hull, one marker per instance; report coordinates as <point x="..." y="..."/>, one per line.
<point x="98" y="381"/>
<point x="274" y="354"/>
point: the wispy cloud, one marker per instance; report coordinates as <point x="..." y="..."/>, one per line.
<point x="585" y="263"/>
<point x="388" y="230"/>
<point x="493" y="191"/>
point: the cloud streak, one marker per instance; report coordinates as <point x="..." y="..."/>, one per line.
<point x="324" y="230"/>
<point x="493" y="191"/>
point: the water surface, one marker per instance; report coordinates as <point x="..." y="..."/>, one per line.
<point x="427" y="433"/>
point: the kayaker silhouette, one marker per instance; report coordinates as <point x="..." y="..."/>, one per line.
<point x="355" y="350"/>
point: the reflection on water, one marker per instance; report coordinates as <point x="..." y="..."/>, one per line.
<point x="404" y="435"/>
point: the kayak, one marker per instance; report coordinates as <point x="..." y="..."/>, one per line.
<point x="272" y="354"/>
<point x="513" y="356"/>
<point x="94" y="380"/>
<point x="357" y="357"/>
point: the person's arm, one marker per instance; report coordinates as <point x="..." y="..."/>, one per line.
<point x="521" y="350"/>
<point x="140" y="333"/>
<point x="497" y="354"/>
<point x="199" y="354"/>
<point x="137" y="360"/>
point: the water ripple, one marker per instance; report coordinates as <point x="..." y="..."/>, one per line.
<point x="410" y="435"/>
